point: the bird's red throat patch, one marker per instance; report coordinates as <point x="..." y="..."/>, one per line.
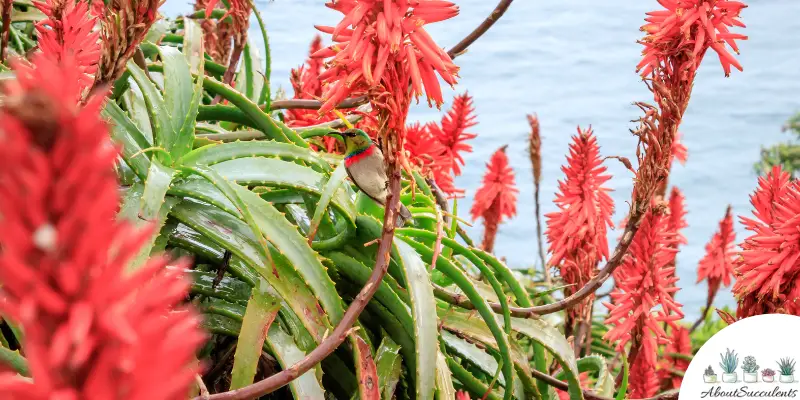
<point x="359" y="155"/>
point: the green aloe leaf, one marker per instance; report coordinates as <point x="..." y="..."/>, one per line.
<point x="444" y="379"/>
<point x="158" y="182"/>
<point x="264" y="219"/>
<point x="331" y="187"/>
<point x="130" y="211"/>
<point x="231" y="233"/>
<point x="478" y="358"/>
<point x="279" y="343"/>
<point x="160" y="121"/>
<point x="178" y="89"/>
<point x="258" y="316"/>
<point x="423" y="310"/>
<point x="389" y="364"/>
<point x="193" y="45"/>
<point x="555" y="342"/>
<point x="460" y="279"/>
<point x="215" y="154"/>
<point x="259" y="171"/>
<point x="127" y="135"/>
<point x="250" y="79"/>
<point x="623" y="386"/>
<point x="16" y="361"/>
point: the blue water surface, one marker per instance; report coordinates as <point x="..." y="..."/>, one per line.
<point x="572" y="63"/>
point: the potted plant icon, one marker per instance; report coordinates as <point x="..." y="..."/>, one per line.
<point x="729" y="362"/>
<point x="750" y="369"/>
<point x="768" y="375"/>
<point x="786" y="367"/>
<point x="709" y="376"/>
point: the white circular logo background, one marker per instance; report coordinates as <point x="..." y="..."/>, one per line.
<point x="768" y="338"/>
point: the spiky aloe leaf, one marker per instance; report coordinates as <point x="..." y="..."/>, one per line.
<point x="131" y="209"/>
<point x="215" y="154"/>
<point x="465" y="284"/>
<point x="14" y="360"/>
<point x="193" y="45"/>
<point x="160" y="120"/>
<point x="129" y="137"/>
<point x="444" y="379"/>
<point x="250" y="79"/>
<point x="389" y="363"/>
<point x="227" y="320"/>
<point x="479" y="358"/>
<point x="262" y="308"/>
<point x="331" y="187"/>
<point x="232" y="234"/>
<point x="423" y="310"/>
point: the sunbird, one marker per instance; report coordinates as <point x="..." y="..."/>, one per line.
<point x="365" y="166"/>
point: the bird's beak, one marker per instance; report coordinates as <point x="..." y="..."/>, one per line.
<point x="336" y="134"/>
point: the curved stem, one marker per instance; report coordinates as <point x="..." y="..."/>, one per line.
<point x="341" y="331"/>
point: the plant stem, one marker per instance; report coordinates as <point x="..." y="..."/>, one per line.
<point x="341" y="331"/>
<point x="545" y="269"/>
<point x="709" y="300"/>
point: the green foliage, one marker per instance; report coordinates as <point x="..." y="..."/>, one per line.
<point x="786" y="366"/>
<point x="786" y="154"/>
<point x="729" y="361"/>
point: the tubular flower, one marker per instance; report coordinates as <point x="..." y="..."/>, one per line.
<point x="123" y="27"/>
<point x="307" y="85"/>
<point x="67" y="32"/>
<point x="426" y="152"/>
<point x="452" y="132"/>
<point x="679" y="150"/>
<point x="92" y="330"/>
<point x="382" y="48"/>
<point x="681" y="343"/>
<point x="217" y="34"/>
<point x="535" y="148"/>
<point x="768" y="268"/>
<point x="690" y="27"/>
<point x="717" y="265"/>
<point x="496" y="198"/>
<point x="644" y="282"/>
<point x="577" y="231"/>
<point x="677" y="215"/>
<point x="585" y="208"/>
<point x="644" y="382"/>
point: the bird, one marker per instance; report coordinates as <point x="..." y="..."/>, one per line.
<point x="364" y="163"/>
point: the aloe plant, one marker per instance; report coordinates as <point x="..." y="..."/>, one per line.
<point x="729" y="361"/>
<point x="786" y="366"/>
<point x="749" y="365"/>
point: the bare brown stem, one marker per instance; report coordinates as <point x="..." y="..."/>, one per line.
<point x="545" y="267"/>
<point x="709" y="301"/>
<point x="558" y="384"/>
<point x="7" y="6"/>
<point x="341" y="331"/>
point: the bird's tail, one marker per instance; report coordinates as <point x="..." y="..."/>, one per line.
<point x="403" y="216"/>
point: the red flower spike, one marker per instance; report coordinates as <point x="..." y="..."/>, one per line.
<point x="677" y="215"/>
<point x="768" y="269"/>
<point x="643" y="296"/>
<point x="496" y="198"/>
<point x="644" y="380"/>
<point x="717" y="265"/>
<point x="452" y="133"/>
<point x="585" y="208"/>
<point x="377" y="39"/>
<point x="681" y="343"/>
<point x="690" y="27"/>
<point x="306" y="83"/>
<point x="462" y="395"/>
<point x="576" y="233"/>
<point x="426" y="152"/>
<point x="679" y="150"/>
<point x="88" y="333"/>
<point x="68" y="32"/>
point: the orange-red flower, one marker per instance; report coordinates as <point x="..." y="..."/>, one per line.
<point x="679" y="150"/>
<point x="68" y="31"/>
<point x="92" y="329"/>
<point x="462" y="395"/>
<point x="382" y="48"/>
<point x="584" y="206"/>
<point x="577" y="231"/>
<point x="690" y="27"/>
<point x="643" y="380"/>
<point x="677" y="215"/>
<point x="717" y="265"/>
<point x="768" y="268"/>
<point x="680" y="343"/>
<point x="643" y="295"/>
<point x="496" y="199"/>
<point x="452" y="133"/>
<point x="307" y="85"/>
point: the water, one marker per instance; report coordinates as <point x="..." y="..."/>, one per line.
<point x="573" y="64"/>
